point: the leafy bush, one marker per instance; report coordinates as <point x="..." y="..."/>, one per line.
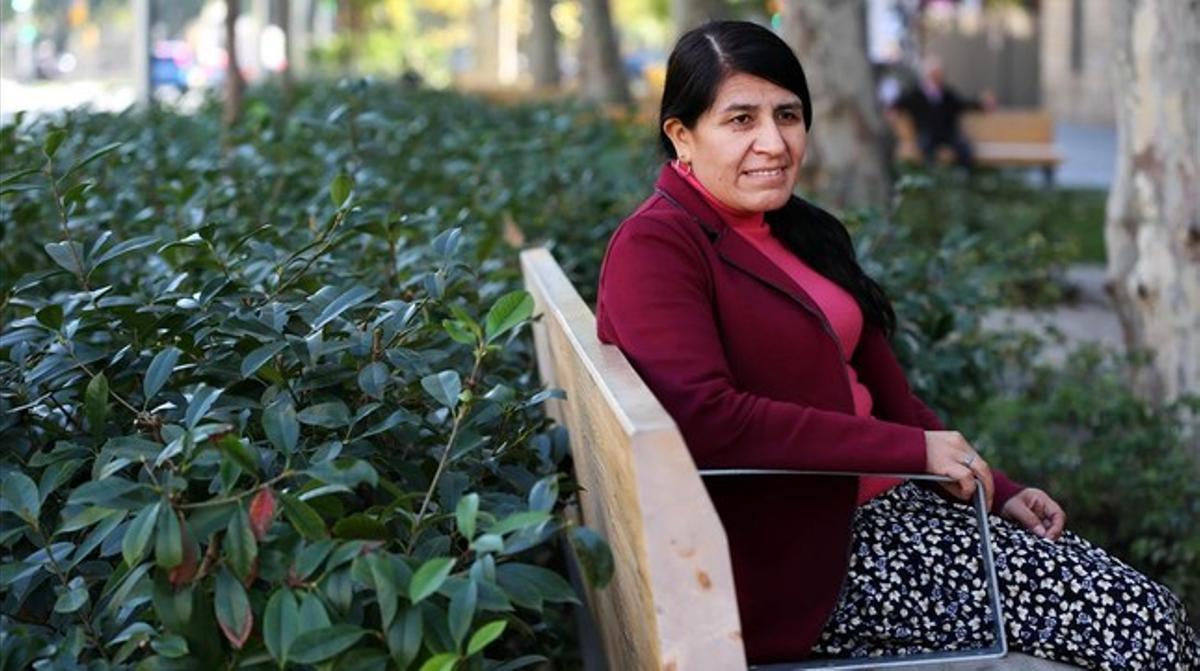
<point x="1031" y="233"/>
<point x="1127" y="473"/>
<point x="253" y="420"/>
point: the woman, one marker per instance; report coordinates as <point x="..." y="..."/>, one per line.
<point x="745" y="311"/>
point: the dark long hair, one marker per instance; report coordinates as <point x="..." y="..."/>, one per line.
<point x="702" y="59"/>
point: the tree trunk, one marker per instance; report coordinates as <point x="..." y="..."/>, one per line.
<point x="602" y="75"/>
<point x="847" y="161"/>
<point x="235" y="86"/>
<point x="543" y="45"/>
<point x="1152" y="231"/>
<point x="687" y="14"/>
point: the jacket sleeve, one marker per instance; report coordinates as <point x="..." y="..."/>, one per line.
<point x="655" y="304"/>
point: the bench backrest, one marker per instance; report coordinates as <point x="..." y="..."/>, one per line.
<point x="1002" y="126"/>
<point x="671" y="604"/>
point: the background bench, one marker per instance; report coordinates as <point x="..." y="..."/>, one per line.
<point x="671" y="604"/>
<point x="1002" y="138"/>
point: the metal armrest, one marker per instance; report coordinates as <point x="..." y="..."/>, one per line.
<point x="999" y="647"/>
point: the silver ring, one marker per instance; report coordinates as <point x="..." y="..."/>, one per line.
<point x="969" y="460"/>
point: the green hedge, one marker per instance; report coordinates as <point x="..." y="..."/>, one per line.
<point x="277" y="379"/>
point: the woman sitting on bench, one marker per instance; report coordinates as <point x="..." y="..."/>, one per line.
<point x="744" y="310"/>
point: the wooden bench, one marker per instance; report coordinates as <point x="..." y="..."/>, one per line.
<point x="1002" y="138"/>
<point x="671" y="605"/>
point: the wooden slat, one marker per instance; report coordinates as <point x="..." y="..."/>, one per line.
<point x="671" y="604"/>
<point x="1004" y="137"/>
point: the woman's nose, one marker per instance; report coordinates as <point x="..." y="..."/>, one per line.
<point x="770" y="139"/>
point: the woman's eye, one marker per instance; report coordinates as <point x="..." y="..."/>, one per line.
<point x="788" y="115"/>
<point x="741" y="119"/>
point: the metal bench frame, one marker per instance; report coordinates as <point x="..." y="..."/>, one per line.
<point x="999" y="647"/>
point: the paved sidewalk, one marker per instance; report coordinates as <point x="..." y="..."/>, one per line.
<point x="1089" y="319"/>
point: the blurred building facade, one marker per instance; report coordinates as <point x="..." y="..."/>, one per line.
<point x="1077" y="40"/>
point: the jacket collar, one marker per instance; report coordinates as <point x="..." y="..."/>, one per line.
<point x="730" y="247"/>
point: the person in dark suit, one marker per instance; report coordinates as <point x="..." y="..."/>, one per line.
<point x="745" y="311"/>
<point x="936" y="108"/>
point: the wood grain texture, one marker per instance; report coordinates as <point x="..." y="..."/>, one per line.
<point x="671" y="604"/>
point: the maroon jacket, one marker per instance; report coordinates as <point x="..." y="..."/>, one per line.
<point x="743" y="360"/>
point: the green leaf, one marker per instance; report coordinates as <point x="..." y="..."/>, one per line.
<point x="53" y="141"/>
<point x="281" y="426"/>
<point x="168" y="540"/>
<point x="20" y="174"/>
<point x="83" y="519"/>
<point x="95" y="404"/>
<point x="172" y="646"/>
<point x="485" y="635"/>
<point x="159" y="371"/>
<point x="312" y="612"/>
<point x="508" y="311"/>
<point x="339" y="189"/>
<point x="520" y="520"/>
<point x="427" y="579"/>
<point x="544" y="494"/>
<point x="348" y="299"/>
<point x="137" y="534"/>
<point x="520" y="663"/>
<point x="281" y="624"/>
<point x="102" y="151"/>
<point x="302" y="516"/>
<point x="488" y="543"/>
<point x="444" y="387"/>
<point x="529" y="585"/>
<point x="465" y="515"/>
<point x="347" y="474"/>
<point x="311" y="558"/>
<point x="101" y="492"/>
<point x="239" y="452"/>
<point x="202" y="401"/>
<point x="124" y="247"/>
<point x="319" y="645"/>
<point x="51" y="316"/>
<point x="68" y="255"/>
<point x="373" y="379"/>
<point x="20" y="497"/>
<point x="174" y="607"/>
<point x="361" y="526"/>
<point x="240" y="546"/>
<point x="73" y="598"/>
<point x="595" y="556"/>
<point x="446" y="661"/>
<point x="462" y="611"/>
<point x="459" y="332"/>
<point x="233" y="609"/>
<point x="404" y="637"/>
<point x="363" y="659"/>
<point x="331" y="415"/>
<point x="254" y="360"/>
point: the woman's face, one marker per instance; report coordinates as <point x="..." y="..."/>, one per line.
<point x="747" y="147"/>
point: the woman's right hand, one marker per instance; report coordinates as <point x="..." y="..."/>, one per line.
<point x="948" y="453"/>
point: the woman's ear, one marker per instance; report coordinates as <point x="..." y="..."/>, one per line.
<point x="680" y="137"/>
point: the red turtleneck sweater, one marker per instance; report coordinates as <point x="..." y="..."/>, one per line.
<point x="839" y="307"/>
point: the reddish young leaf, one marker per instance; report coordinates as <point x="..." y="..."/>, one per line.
<point x="186" y="571"/>
<point x="262" y="512"/>
<point x="234" y="615"/>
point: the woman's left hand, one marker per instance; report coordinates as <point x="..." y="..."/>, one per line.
<point x="1036" y="511"/>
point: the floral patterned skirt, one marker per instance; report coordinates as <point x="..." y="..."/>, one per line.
<point x="916" y="584"/>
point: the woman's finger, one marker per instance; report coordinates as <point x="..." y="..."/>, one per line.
<point x="1022" y="514"/>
